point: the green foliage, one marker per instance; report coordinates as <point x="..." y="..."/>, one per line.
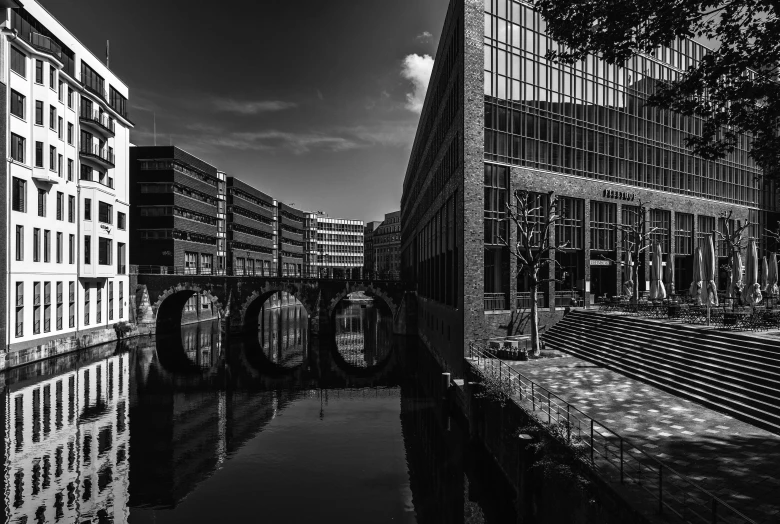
<point x="496" y="386"/>
<point x="122" y="329"/>
<point x="745" y="33"/>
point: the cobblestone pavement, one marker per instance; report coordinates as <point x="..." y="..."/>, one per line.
<point x="736" y="461"/>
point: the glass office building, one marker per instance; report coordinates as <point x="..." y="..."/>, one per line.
<point x="498" y="118"/>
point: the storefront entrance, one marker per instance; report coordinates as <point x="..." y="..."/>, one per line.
<point x="603" y="278"/>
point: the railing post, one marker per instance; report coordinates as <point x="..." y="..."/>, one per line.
<point x="621" y="460"/>
<point x="591" y="441"/>
<point x="568" y="424"/>
<point x="714" y="511"/>
<point x="660" y="488"/>
<point x="533" y="398"/>
<point x="549" y="409"/>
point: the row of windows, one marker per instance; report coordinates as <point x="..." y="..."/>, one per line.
<point x="176" y="234"/>
<point x="166" y="211"/>
<point x="291" y="216"/>
<point x="243" y="246"/>
<point x="248" y="214"/>
<point x="290" y="229"/>
<point x="249" y="231"/>
<point x="341" y="228"/>
<point x="164" y="165"/>
<point x="169" y="187"/>
<point x="44" y="302"/>
<point x="250" y="198"/>
<point x="434" y="259"/>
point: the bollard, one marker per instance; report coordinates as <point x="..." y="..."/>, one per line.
<point x="524" y="481"/>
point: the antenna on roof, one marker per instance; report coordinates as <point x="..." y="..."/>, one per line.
<point x="107" y="53"/>
<point x="154" y="117"/>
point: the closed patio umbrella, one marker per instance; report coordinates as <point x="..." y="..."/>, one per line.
<point x="709" y="293"/>
<point x="696" y="284"/>
<point x="657" y="290"/>
<point x="771" y="282"/>
<point x="735" y="280"/>
<point x="751" y="294"/>
<point x="764" y="275"/>
<point x="669" y="274"/>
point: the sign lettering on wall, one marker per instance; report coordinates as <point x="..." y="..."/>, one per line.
<point x="600" y="262"/>
<point x="619" y="195"/>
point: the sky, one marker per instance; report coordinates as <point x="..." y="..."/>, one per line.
<point x="314" y="103"/>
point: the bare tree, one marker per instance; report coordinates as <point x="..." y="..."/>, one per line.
<point x="534" y="215"/>
<point x="636" y="237"/>
<point x="731" y="236"/>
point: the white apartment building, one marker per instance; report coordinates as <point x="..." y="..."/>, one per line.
<point x="66" y="203"/>
<point x="335" y="246"/>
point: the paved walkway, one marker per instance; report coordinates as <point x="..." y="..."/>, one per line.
<point x="734" y="460"/>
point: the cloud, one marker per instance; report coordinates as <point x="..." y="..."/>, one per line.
<point x="425" y="36"/>
<point x="229" y="105"/>
<point x="417" y="69"/>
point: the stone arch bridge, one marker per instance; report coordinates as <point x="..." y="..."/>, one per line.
<point x="159" y="299"/>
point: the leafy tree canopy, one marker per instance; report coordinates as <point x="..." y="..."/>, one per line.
<point x="717" y="89"/>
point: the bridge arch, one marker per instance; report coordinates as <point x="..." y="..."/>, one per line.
<point x="169" y="307"/>
<point x="369" y="290"/>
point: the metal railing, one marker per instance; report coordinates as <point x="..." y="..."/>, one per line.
<point x="238" y="272"/>
<point x="523" y="299"/>
<point x="45" y="43"/>
<point x="567" y="298"/>
<point x="95" y="151"/>
<point x="495" y="301"/>
<point x="607" y="452"/>
<point x="98" y="118"/>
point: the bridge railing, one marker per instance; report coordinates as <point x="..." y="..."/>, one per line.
<point x="136" y="269"/>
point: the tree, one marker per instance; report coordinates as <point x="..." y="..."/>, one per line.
<point x="719" y="88"/>
<point x="636" y="238"/>
<point x="731" y="236"/>
<point x="534" y="216"/>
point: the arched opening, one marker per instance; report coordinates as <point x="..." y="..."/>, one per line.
<point x="276" y="324"/>
<point x="186" y="306"/>
<point x="363" y="331"/>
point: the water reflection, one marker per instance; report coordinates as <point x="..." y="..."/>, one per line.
<point x="214" y="437"/>
<point x="364" y="334"/>
<point x="67" y="445"/>
<point x="283" y="331"/>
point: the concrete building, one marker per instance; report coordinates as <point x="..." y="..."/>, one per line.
<point x="251" y="218"/>
<point x="387" y="246"/>
<point x="369" y="266"/>
<point x="66" y="189"/>
<point x="498" y="117"/>
<point x="339" y="247"/>
<point x="290" y="236"/>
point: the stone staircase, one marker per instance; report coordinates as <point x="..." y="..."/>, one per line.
<point x="736" y="374"/>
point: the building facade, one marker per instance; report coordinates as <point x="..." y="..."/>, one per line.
<point x="251" y="219"/>
<point x="291" y="223"/>
<point x="387" y="246"/>
<point x="369" y="267"/>
<point x="339" y="247"/>
<point x="66" y="135"/>
<point x="498" y="118"/>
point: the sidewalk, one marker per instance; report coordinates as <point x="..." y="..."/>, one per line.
<point x="736" y="461"/>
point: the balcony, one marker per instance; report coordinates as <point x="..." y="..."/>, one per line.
<point x="102" y="157"/>
<point x="102" y="178"/>
<point x="523" y="299"/>
<point x="46" y="44"/>
<point x="101" y="93"/>
<point x="45" y="176"/>
<point x="98" y="122"/>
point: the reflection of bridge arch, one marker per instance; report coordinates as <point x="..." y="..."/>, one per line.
<point x="169" y="307"/>
<point x="369" y="290"/>
<point x="250" y="309"/>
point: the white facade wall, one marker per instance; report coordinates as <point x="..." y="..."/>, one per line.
<point x="87" y="275"/>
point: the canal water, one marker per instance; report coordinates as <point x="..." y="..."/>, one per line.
<point x="284" y="426"/>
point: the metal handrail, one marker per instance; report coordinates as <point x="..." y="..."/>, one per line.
<point x="45" y="43"/>
<point x="94" y="150"/>
<point x="495" y="301"/>
<point x="664" y="483"/>
<point x="136" y="269"/>
<point x="95" y="116"/>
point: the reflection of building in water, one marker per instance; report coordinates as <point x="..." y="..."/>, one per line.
<point x="67" y="445"/>
<point x="364" y="335"/>
<point x="202" y="343"/>
<point x="283" y="333"/>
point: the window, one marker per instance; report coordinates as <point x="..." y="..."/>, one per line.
<point x="70" y="170"/>
<point x="36" y="307"/>
<point x="20" y="243"/>
<point x="59" y="127"/>
<point x="36" y="245"/>
<point x="70" y="133"/>
<point x="603" y="225"/>
<point x="60" y="205"/>
<point x="121" y="298"/>
<point x="39" y="71"/>
<point x="570" y="225"/>
<point x="105" y="251"/>
<point x="87" y="249"/>
<point x="110" y="301"/>
<point x="59" y="91"/>
<point x="70" y="97"/>
<point x="17" y="147"/>
<point x="41" y="203"/>
<point x="86" y="172"/>
<point x="52" y="158"/>
<point x="38" y="113"/>
<point x="59" y="248"/>
<point x="59" y="166"/>
<point x="99" y="304"/>
<point x="71" y="249"/>
<point x="53" y="117"/>
<point x="38" y="154"/>
<point x="18" y="62"/>
<point x="190" y="262"/>
<point x="662" y="220"/>
<point x="46" y="245"/>
<point x="52" y="76"/>
<point x="87" y="292"/>
<point x="72" y="304"/>
<point x="105" y="213"/>
<point x="59" y="305"/>
<point x="87" y="209"/>
<point x="206" y="262"/>
<point x="19" y="195"/>
<point x="19" y="309"/>
<point x="121" y="220"/>
<point x="17" y="104"/>
<point x="121" y="268"/>
<point x="683" y="236"/>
